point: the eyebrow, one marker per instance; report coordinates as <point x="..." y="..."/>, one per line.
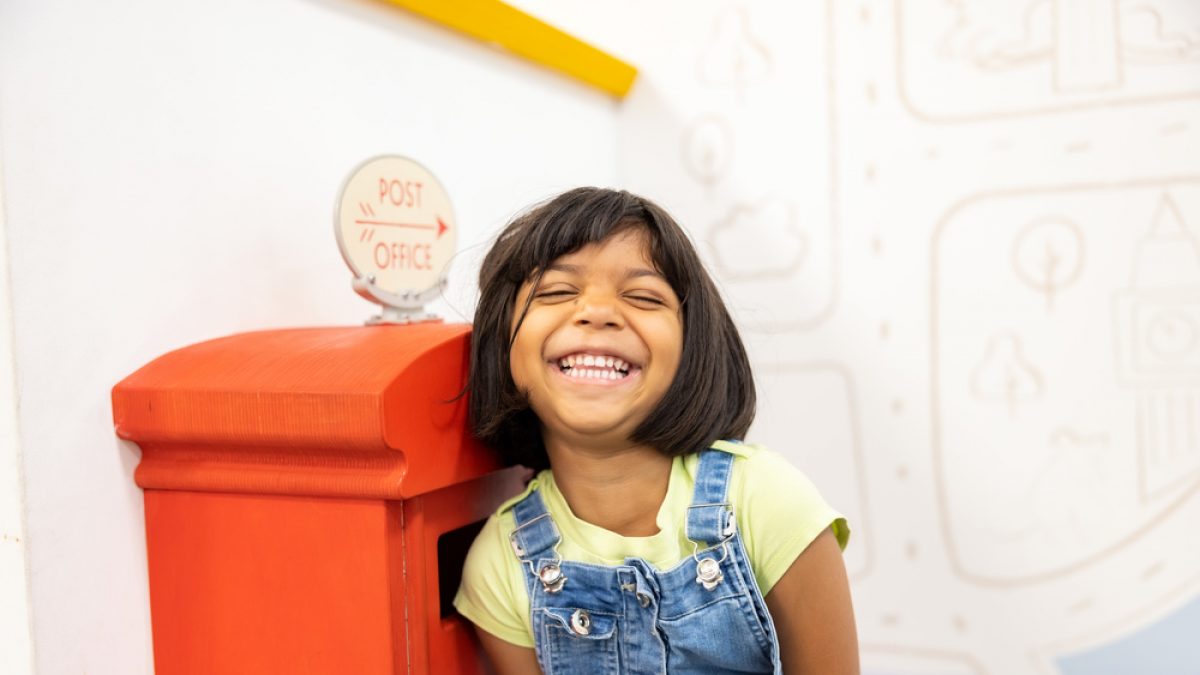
<point x="632" y="273"/>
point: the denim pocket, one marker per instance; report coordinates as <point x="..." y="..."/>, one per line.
<point x="577" y="640"/>
<point x="725" y="634"/>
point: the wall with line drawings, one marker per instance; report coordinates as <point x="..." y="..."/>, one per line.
<point x="963" y="240"/>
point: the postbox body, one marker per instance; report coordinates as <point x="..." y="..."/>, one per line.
<point x="309" y="497"/>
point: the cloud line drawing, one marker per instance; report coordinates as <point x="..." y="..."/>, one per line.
<point x="760" y="240"/>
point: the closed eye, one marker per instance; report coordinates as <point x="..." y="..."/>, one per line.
<point x="646" y="299"/>
<point x="552" y="295"/>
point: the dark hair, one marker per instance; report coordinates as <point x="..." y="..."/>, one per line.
<point x="712" y="395"/>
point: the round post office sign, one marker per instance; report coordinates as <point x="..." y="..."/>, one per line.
<point x="396" y="231"/>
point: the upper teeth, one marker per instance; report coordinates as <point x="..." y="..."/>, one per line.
<point x="594" y="361"/>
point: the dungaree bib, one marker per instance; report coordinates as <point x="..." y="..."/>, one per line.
<point x="705" y="615"/>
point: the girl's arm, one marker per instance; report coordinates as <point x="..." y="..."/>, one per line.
<point x="811" y="608"/>
<point x="507" y="658"/>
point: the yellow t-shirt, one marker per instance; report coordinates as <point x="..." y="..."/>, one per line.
<point x="779" y="513"/>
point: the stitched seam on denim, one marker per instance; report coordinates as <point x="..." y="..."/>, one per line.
<point x="746" y="604"/>
<point x="677" y="617"/>
<point x="595" y="566"/>
<point x="547" y="608"/>
<point x="544" y="651"/>
<point x="741" y="565"/>
<point x="743" y="608"/>
<point x="568" y="634"/>
<point x="750" y="588"/>
<point x="558" y="643"/>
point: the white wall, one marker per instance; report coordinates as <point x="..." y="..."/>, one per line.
<point x="170" y="174"/>
<point x="16" y="639"/>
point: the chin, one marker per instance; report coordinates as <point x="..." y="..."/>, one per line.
<point x="618" y="431"/>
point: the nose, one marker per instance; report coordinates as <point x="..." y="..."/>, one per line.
<point x="598" y="311"/>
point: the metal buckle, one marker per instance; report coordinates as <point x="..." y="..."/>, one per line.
<point x="550" y="574"/>
<point x="512" y="536"/>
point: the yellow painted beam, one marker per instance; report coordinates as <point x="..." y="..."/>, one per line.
<point x="501" y="24"/>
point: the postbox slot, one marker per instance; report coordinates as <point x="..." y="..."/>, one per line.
<point x="452" y="550"/>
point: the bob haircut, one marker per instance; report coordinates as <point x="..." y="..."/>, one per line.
<point x="712" y="396"/>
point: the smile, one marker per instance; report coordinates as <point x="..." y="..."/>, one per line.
<point x="595" y="367"/>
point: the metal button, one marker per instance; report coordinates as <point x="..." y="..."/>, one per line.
<point x="552" y="578"/>
<point x="708" y="573"/>
<point x="643" y="599"/>
<point x="581" y="622"/>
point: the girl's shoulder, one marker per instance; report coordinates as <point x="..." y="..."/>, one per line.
<point x="503" y="514"/>
<point x="764" y="481"/>
<point x="491" y="593"/>
<point x="758" y="465"/>
<point x="743" y="453"/>
<point x="778" y="508"/>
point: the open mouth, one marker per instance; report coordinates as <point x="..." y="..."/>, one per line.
<point x="595" y="367"/>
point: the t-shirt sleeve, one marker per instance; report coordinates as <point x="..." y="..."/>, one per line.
<point x="782" y="513"/>
<point x="492" y="594"/>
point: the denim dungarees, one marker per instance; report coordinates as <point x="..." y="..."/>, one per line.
<point x="705" y="615"/>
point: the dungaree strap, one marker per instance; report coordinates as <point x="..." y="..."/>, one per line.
<point x="535" y="533"/>
<point x="710" y="517"/>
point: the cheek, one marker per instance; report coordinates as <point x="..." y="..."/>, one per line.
<point x="525" y="357"/>
<point x="675" y="367"/>
<point x="518" y="332"/>
<point x="670" y="343"/>
<point x="668" y="349"/>
<point x="518" y="365"/>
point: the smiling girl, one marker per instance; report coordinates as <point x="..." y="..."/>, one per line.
<point x="651" y="540"/>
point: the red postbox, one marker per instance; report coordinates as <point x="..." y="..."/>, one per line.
<point x="310" y="495"/>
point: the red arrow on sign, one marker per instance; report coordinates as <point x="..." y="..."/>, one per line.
<point x="388" y="223"/>
<point x="441" y="226"/>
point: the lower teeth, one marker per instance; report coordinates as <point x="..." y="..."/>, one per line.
<point x="606" y="375"/>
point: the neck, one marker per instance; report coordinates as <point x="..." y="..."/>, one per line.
<point x="618" y="488"/>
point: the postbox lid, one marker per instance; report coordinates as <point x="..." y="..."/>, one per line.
<point x="371" y="411"/>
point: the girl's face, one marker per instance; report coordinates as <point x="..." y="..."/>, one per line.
<point x="601" y="341"/>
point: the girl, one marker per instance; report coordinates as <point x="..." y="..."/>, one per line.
<point x="603" y="357"/>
